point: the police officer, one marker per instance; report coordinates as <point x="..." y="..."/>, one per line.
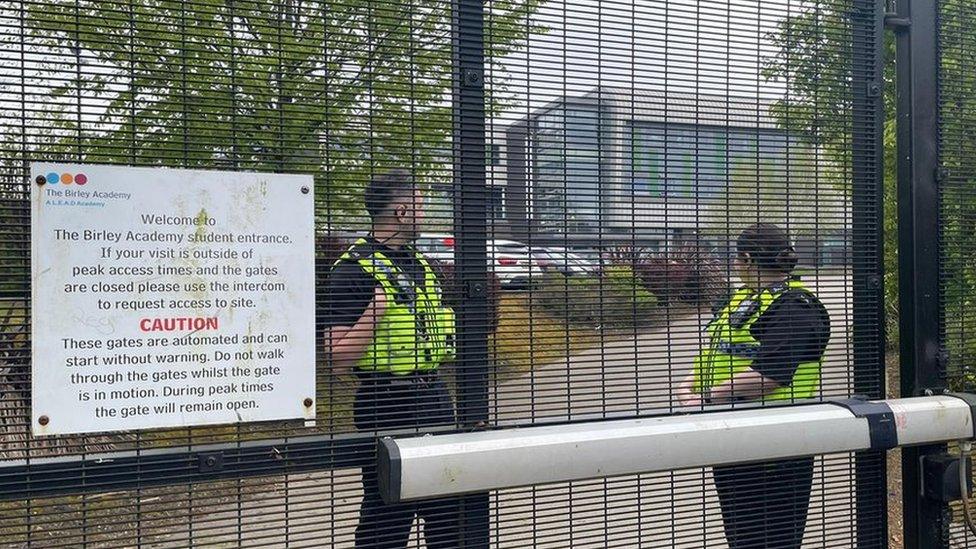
<point x="765" y="344"/>
<point x="386" y="323"/>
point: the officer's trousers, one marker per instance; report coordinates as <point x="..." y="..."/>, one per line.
<point x="764" y="505"/>
<point x="386" y="402"/>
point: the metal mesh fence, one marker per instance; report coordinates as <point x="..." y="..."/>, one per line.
<point x="956" y="44"/>
<point x="642" y="139"/>
<point x="585" y="240"/>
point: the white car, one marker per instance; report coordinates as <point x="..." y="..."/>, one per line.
<point x="563" y="261"/>
<point x="511" y="261"/>
<point x="436" y="247"/>
<point x="514" y="264"/>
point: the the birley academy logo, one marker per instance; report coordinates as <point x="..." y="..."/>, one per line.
<point x="54" y="178"/>
<point x="64" y="188"/>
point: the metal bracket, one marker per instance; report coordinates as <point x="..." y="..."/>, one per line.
<point x="471" y="78"/>
<point x="873" y="89"/>
<point x="476" y="288"/>
<point x="897" y="23"/>
<point x="881" y="420"/>
<point x="210" y="461"/>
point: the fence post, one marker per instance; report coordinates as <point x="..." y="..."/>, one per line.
<point x="470" y="237"/>
<point x="868" y="263"/>
<point x="918" y="248"/>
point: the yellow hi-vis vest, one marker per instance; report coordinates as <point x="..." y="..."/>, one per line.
<point x="416" y="331"/>
<point x="732" y="349"/>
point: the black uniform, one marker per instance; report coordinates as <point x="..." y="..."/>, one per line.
<point x="385" y="402"/>
<point x="764" y="505"/>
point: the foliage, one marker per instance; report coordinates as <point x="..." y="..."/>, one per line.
<point x="626" y="291"/>
<point x="780" y="190"/>
<point x="615" y="298"/>
<point x="687" y="274"/>
<point x="625" y="254"/>
<point x="814" y="59"/>
<point x="890" y="232"/>
<point x="328" y="249"/>
<point x="528" y="337"/>
<point x="337" y="89"/>
<point x="957" y="96"/>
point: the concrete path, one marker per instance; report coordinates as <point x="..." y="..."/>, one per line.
<point x="638" y="376"/>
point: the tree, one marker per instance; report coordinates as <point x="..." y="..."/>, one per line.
<point x="334" y="88"/>
<point x="779" y="189"/>
<point x="818" y="69"/>
<point x="957" y="102"/>
<point x="814" y="58"/>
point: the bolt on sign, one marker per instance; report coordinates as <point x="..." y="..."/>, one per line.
<point x="166" y="298"/>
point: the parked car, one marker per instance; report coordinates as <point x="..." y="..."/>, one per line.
<point x="436" y="247"/>
<point x="575" y="261"/>
<point x="511" y="261"/>
<point x="567" y="263"/>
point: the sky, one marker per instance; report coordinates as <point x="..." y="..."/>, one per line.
<point x="683" y="46"/>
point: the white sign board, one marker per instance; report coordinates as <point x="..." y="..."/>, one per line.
<point x="165" y="298"/>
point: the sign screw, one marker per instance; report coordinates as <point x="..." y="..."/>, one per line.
<point x="43" y="420"/>
<point x="308" y="403"/>
<point x="304" y="189"/>
<point x="40" y="180"/>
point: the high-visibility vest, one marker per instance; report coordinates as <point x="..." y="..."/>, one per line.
<point x="416" y="331"/>
<point x="732" y="349"/>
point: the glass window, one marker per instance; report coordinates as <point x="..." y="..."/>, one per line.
<point x="679" y="162"/>
<point x="685" y="161"/>
<point x="712" y="163"/>
<point x="567" y="165"/>
<point x="648" y="158"/>
<point x="496" y="202"/>
<point x="494" y="154"/>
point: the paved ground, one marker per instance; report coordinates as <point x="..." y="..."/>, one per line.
<point x="661" y="510"/>
<point x="635" y="375"/>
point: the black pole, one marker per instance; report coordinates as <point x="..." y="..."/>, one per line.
<point x="918" y="248"/>
<point x="470" y="236"/>
<point x="868" y="260"/>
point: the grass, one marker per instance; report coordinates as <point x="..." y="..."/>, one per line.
<point x="526" y="338"/>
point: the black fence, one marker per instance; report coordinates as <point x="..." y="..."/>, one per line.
<point x="955" y="174"/>
<point x="587" y="167"/>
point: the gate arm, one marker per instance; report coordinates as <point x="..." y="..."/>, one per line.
<point x="435" y="466"/>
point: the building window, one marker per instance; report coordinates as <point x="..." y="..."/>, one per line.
<point x="688" y="161"/>
<point x="566" y="167"/>
<point x="496" y="203"/>
<point x="649" y="163"/>
<point x="494" y="154"/>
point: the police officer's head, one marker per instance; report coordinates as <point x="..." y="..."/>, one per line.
<point x="764" y="254"/>
<point x="395" y="203"/>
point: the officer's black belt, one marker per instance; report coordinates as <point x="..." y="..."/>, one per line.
<point x="741" y="350"/>
<point x="881" y="420"/>
<point x="386" y="378"/>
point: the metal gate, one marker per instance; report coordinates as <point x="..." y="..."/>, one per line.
<point x="950" y="135"/>
<point x="587" y="167"/>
